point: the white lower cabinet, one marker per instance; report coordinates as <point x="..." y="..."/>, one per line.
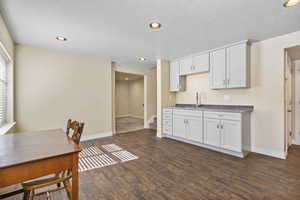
<point x="179" y="126"/>
<point x="220" y="131"/>
<point x="225" y="134"/>
<point x="194" y="129"/>
<point x="231" y="134"/>
<point x="212" y="132"/>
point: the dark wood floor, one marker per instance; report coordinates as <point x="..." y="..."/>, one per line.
<point x="168" y="169"/>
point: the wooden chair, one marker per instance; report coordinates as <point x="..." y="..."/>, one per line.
<point x="62" y="177"/>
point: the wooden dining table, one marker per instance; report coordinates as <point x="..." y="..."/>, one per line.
<point x="29" y="155"/>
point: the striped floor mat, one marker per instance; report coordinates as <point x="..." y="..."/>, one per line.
<point x="95" y="156"/>
<point x="90" y="151"/>
<point x="96" y="161"/>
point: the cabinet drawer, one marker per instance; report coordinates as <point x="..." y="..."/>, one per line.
<point x="167" y="116"/>
<point x="167" y="123"/>
<point x="167" y="110"/>
<point x="223" y="115"/>
<point x="192" y="113"/>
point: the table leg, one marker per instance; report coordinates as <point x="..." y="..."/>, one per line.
<point x="75" y="185"/>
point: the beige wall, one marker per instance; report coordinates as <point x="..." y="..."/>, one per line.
<point x="136" y="98"/>
<point x="130" y="98"/>
<point x="52" y="87"/>
<point x="122" y="96"/>
<point x="152" y="92"/>
<point x="164" y="97"/>
<point x="266" y="93"/>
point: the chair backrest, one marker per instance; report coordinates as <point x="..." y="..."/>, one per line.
<point x="77" y="129"/>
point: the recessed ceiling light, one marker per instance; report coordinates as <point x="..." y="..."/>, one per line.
<point x="126" y="78"/>
<point x="290" y="3"/>
<point x="61" y="38"/>
<point x="155" y="25"/>
<point x="141" y="59"/>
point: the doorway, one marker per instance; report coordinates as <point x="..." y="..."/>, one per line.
<point x="292" y="96"/>
<point x="129" y="102"/>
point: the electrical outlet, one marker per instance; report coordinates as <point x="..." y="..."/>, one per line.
<point x="227" y="98"/>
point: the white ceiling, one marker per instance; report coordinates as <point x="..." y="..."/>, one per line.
<point x="118" y="29"/>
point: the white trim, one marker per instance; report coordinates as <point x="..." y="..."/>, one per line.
<point x="121" y="116"/>
<point x="6" y="128"/>
<point x="146" y="125"/>
<point x="134" y="116"/>
<point x="96" y="136"/>
<point x="276" y="154"/>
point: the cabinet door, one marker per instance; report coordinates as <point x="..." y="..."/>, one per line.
<point x="236" y="66"/>
<point x="174" y="76"/>
<point x="231" y="135"/>
<point x="195" y="129"/>
<point x="201" y="63"/>
<point x="179" y="126"/>
<point x="186" y="66"/>
<point x="212" y="132"/>
<point x="218" y="69"/>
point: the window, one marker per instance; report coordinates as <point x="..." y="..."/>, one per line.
<point x="3" y="90"/>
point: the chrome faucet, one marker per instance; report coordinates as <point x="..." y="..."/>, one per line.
<point x="198" y="100"/>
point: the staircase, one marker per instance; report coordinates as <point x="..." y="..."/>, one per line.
<point x="153" y="125"/>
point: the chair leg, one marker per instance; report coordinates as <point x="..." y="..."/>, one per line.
<point x="26" y="195"/>
<point x="68" y="188"/>
<point x="31" y="195"/>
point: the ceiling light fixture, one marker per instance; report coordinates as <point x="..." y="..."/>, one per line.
<point x="61" y="38"/>
<point x="155" y="25"/>
<point x="141" y="59"/>
<point x="290" y="3"/>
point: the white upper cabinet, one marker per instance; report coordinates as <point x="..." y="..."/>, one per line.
<point x="177" y="83"/>
<point x="236" y="63"/>
<point x="201" y="63"/>
<point x="186" y="66"/>
<point x="229" y="67"/>
<point x="174" y="76"/>
<point x="218" y="69"/>
<point x="194" y="64"/>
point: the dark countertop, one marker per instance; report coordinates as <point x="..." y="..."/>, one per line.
<point x="217" y="108"/>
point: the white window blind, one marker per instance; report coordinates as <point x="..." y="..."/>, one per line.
<point x="3" y="90"/>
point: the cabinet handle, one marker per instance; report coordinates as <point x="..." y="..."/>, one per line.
<point x="218" y="126"/>
<point x="228" y="82"/>
<point x="222" y="126"/>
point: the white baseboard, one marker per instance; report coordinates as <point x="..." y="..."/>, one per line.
<point x="135" y="116"/>
<point x="275" y="154"/>
<point x="120" y="116"/>
<point x="96" y="136"/>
